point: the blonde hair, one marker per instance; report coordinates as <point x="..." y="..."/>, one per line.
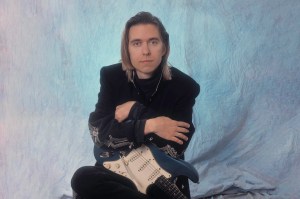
<point x="144" y="18"/>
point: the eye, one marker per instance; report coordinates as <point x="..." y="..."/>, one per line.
<point x="154" y="42"/>
<point x="136" y="43"/>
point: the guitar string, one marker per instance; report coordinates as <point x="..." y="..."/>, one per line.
<point x="140" y="154"/>
<point x="142" y="159"/>
<point x="153" y="171"/>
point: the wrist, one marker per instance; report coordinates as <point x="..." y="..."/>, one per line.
<point x="149" y="126"/>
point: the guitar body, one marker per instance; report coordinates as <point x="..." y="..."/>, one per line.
<point x="147" y="165"/>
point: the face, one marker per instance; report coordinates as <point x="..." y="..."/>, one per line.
<point x="145" y="49"/>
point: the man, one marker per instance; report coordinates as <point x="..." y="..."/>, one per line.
<point x="141" y="100"/>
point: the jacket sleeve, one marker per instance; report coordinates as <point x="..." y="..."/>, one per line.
<point x="104" y="129"/>
<point x="183" y="111"/>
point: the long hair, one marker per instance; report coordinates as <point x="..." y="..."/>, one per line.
<point x="144" y="18"/>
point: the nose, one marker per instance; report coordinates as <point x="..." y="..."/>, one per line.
<point x="145" y="49"/>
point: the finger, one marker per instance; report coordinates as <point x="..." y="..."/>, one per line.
<point x="177" y="140"/>
<point x="118" y="119"/>
<point x="182" y="136"/>
<point x="182" y="130"/>
<point x="183" y="124"/>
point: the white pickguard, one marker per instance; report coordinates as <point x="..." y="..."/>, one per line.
<point x="139" y="166"/>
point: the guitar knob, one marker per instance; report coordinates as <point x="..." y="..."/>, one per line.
<point x="126" y="162"/>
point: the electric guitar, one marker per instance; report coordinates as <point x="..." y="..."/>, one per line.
<point x="147" y="165"/>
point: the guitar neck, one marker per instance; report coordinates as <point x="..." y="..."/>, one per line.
<point x="169" y="188"/>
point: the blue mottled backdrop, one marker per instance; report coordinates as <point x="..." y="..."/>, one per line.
<point x="244" y="53"/>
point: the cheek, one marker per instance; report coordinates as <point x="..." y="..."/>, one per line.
<point x="132" y="55"/>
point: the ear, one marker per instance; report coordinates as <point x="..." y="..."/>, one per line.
<point x="164" y="51"/>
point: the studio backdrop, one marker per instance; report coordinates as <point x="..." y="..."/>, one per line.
<point x="245" y="54"/>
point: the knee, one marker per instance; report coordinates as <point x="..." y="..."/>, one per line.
<point x="80" y="178"/>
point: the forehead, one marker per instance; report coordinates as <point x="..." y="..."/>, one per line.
<point x="143" y="32"/>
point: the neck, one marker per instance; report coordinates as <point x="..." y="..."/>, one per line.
<point x="143" y="75"/>
<point x="156" y="72"/>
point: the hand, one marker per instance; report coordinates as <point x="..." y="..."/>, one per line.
<point x="168" y="129"/>
<point x="122" y="111"/>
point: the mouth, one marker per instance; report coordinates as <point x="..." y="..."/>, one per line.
<point x="146" y="61"/>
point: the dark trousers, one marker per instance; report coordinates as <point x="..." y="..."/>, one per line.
<point x="96" y="182"/>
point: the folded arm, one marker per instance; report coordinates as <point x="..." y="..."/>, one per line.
<point x="128" y="123"/>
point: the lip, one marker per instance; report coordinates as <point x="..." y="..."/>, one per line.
<point x="146" y="61"/>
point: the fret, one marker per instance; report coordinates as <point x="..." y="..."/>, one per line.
<point x="171" y="189"/>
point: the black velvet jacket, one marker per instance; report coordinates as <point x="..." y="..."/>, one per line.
<point x="173" y="98"/>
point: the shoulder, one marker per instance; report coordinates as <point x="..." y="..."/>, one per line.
<point x="114" y="69"/>
<point x="113" y="74"/>
<point x="182" y="81"/>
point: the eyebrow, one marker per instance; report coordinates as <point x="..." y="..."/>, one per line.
<point x="138" y="40"/>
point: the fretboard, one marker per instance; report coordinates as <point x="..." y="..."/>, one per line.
<point x="169" y="188"/>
